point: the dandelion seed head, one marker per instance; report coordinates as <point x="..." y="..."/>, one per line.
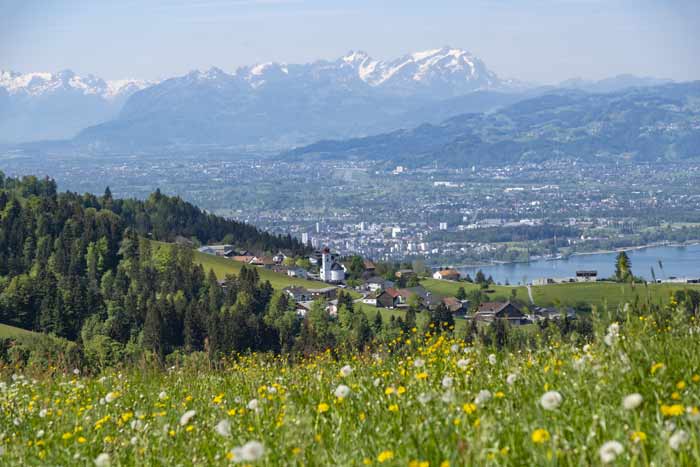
<point x="551" y="400"/>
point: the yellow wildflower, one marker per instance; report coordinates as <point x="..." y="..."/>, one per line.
<point x="540" y="436"/>
<point x="385" y="456"/>
<point x="393" y="408"/>
<point x="674" y="410"/>
<point x="323" y="407"/>
<point x="469" y="408"/>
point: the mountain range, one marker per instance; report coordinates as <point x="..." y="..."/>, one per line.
<point x="269" y="106"/>
<point x="657" y="123"/>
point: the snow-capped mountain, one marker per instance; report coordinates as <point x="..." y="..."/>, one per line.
<point x="446" y="70"/>
<point x="38" y="84"/>
<point x="36" y="106"/>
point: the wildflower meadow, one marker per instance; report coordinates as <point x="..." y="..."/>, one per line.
<point x="629" y="396"/>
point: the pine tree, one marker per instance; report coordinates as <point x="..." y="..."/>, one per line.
<point x="152" y="330"/>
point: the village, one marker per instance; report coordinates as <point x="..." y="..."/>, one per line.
<point x="396" y="289"/>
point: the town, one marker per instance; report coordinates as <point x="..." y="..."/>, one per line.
<point x="476" y="216"/>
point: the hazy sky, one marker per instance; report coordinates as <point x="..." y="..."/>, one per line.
<point x="536" y="40"/>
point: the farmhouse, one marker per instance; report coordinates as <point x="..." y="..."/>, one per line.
<point x="388" y="299"/>
<point x="489" y="311"/>
<point x="447" y="274"/>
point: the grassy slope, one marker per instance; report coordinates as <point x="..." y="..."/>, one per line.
<point x="595" y="293"/>
<point x="13" y="332"/>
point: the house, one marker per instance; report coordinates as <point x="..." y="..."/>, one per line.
<point x="376" y="283"/>
<point x="327" y="293"/>
<point x="456" y="306"/>
<point x="298" y="294"/>
<point x="279" y="258"/>
<point x="297" y="272"/>
<point x="371" y="299"/>
<point x="387" y="299"/>
<point x="243" y="258"/>
<point x="218" y="250"/>
<point x="489" y="311"/>
<point x="540" y="313"/>
<point x="446" y="275"/>
<point x="406" y="273"/>
<point x="262" y="261"/>
<point x="427" y="299"/>
<point x="370" y="267"/>
<point x="586" y="276"/>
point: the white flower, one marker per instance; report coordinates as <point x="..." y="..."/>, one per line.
<point x="511" y="379"/>
<point x="587" y="348"/>
<point x="111" y="397"/>
<point x="223" y="428"/>
<point x="454" y="348"/>
<point x="342" y="391"/>
<point x="463" y="363"/>
<point x="136" y="424"/>
<point x="424" y="398"/>
<point x="632" y="401"/>
<point x="550" y="400"/>
<point x="693" y="414"/>
<point x="102" y="460"/>
<point x="448" y="397"/>
<point x="483" y="397"/>
<point x="492" y="359"/>
<point x="163" y="395"/>
<point x="447" y="382"/>
<point x="377" y="382"/>
<point x="250" y="451"/>
<point x="614" y="329"/>
<point x="418" y="362"/>
<point x="40" y="434"/>
<point x="609" y="451"/>
<point x="186" y="417"/>
<point x="134" y="440"/>
<point x="76" y="371"/>
<point x="253" y="404"/>
<point x="16" y="421"/>
<point x="346" y="370"/>
<point x="677" y="439"/>
<point x="42" y="413"/>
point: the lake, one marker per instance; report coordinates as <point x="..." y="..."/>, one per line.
<point x="677" y="261"/>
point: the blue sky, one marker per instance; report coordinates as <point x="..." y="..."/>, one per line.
<point x="539" y="40"/>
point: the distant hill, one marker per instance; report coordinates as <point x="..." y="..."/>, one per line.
<point x="645" y="124"/>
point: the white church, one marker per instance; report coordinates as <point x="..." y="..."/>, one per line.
<point x="331" y="270"/>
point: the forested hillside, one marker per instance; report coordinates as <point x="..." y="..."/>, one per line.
<point x="83" y="267"/>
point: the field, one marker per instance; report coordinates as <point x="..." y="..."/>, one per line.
<point x="630" y="398"/>
<point x="599" y="294"/>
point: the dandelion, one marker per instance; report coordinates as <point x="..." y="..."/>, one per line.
<point x="377" y="382"/>
<point x="393" y="408"/>
<point x="632" y="401"/>
<point x="469" y="408"/>
<point x="40" y="434"/>
<point x="693" y="414"/>
<point x="550" y="400"/>
<point x="250" y="452"/>
<point x="540" y="436"/>
<point x="111" y="397"/>
<point x="447" y="382"/>
<point x="385" y="456"/>
<point x="163" y="395"/>
<point x="638" y="437"/>
<point x="346" y="370"/>
<point x="492" y="359"/>
<point x="186" y="417"/>
<point x="253" y="404"/>
<point x="677" y="439"/>
<point x="223" y="428"/>
<point x="322" y="407"/>
<point x="76" y="371"/>
<point x="418" y="363"/>
<point x="448" y="396"/>
<point x="463" y="363"/>
<point x="671" y="410"/>
<point x="454" y="348"/>
<point x="342" y="391"/>
<point x="42" y="413"/>
<point x="609" y="451"/>
<point x="424" y="398"/>
<point x="483" y="397"/>
<point x="102" y="460"/>
<point x="511" y="379"/>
